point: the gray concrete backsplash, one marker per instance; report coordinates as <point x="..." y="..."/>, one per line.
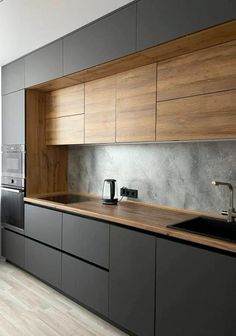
<point x="173" y="174"/>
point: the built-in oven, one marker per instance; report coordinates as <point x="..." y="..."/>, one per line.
<point x="13" y="161"/>
<point x="12" y="214"/>
<point x="12" y="187"/>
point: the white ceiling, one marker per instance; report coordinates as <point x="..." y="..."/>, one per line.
<point x="26" y="25"/>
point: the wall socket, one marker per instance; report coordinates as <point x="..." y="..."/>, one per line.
<point x="133" y="193"/>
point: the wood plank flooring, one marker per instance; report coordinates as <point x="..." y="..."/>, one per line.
<point x="28" y="307"/>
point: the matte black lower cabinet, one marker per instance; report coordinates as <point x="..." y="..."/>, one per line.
<point x="14" y="247"/>
<point x="43" y="261"/>
<point x="196" y="291"/>
<point x="132" y="280"/>
<point x="86" y="283"/>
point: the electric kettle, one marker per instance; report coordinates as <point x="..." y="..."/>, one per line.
<point x="109" y="192"/>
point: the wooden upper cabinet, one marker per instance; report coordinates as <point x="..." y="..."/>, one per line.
<point x="65" y="102"/>
<point x="211" y="116"/>
<point x="100" y="104"/>
<point x="136" y="105"/>
<point x="205" y="71"/>
<point x="65" y="130"/>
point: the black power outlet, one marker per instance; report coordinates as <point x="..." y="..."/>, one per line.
<point x="133" y="193"/>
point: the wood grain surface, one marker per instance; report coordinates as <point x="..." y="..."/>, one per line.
<point x="136" y="104"/>
<point x="205" y="71"/>
<point x="100" y="110"/>
<point x="147" y="217"/>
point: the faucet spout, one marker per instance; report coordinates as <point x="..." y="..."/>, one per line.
<point x="231" y="214"/>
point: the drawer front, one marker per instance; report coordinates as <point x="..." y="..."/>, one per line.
<point x="14" y="248"/>
<point x="43" y="261"/>
<point x="86" y="283"/>
<point x="13" y="76"/>
<point x="86" y="238"/>
<point x="43" y="224"/>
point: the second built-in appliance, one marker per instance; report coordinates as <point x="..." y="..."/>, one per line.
<point x="13" y="187"/>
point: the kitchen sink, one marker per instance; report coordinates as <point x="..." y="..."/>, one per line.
<point x="208" y="227"/>
<point x="67" y="198"/>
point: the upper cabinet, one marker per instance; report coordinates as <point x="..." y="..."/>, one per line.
<point x="159" y="21"/>
<point x="44" y="64"/>
<point x="13" y="76"/>
<point x="136" y="105"/>
<point x="13" y="118"/>
<point x="109" y="38"/>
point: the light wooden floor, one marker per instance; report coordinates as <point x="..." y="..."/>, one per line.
<point x="28" y="307"/>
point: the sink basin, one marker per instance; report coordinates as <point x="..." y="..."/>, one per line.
<point x="67" y="198"/>
<point x="208" y="227"/>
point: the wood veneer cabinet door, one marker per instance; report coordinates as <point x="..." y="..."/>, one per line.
<point x="65" y="130"/>
<point x="195" y="291"/>
<point x="100" y="104"/>
<point x="65" y="102"/>
<point x="211" y="116"/>
<point x="136" y="105"/>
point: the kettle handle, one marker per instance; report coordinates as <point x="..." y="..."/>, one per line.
<point x="112" y="189"/>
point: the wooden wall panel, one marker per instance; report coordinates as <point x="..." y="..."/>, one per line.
<point x="206" y="71"/>
<point x="211" y="116"/>
<point x="65" y="130"/>
<point x="136" y="105"/>
<point x="46" y="166"/>
<point x="100" y="104"/>
<point x="65" y="102"/>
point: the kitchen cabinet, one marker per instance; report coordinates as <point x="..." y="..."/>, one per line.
<point x="161" y="21"/>
<point x="43" y="224"/>
<point x="87" y="239"/>
<point x="86" y="283"/>
<point x="100" y="110"/>
<point x="111" y="37"/>
<point x="44" y="64"/>
<point x="43" y="261"/>
<point x="13" y="118"/>
<point x="13" y="76"/>
<point x="195" y="291"/>
<point x="13" y="247"/>
<point x="136" y="105"/>
<point x="132" y="280"/>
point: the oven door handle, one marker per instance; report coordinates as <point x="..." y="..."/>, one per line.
<point x="12" y="190"/>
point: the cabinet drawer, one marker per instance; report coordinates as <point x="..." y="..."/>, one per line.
<point x="86" y="283"/>
<point x="86" y="238"/>
<point x="43" y="261"/>
<point x="43" y="224"/>
<point x="14" y="248"/>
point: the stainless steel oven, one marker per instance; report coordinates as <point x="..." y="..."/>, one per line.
<point x="12" y="189"/>
<point x="13" y="161"/>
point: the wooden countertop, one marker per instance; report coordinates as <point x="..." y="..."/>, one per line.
<point x="148" y="217"/>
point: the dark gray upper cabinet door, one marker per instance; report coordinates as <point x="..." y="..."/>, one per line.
<point x="13" y="118"/>
<point x="43" y="224"/>
<point x="111" y="37"/>
<point x="13" y="76"/>
<point x="44" y="64"/>
<point x="195" y="292"/>
<point x="86" y="238"/>
<point x="132" y="280"/>
<point x="159" y="21"/>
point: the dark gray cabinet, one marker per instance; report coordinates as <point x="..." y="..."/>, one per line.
<point x="195" y="291"/>
<point x="44" y="64"/>
<point x="86" y="283"/>
<point x="14" y="247"/>
<point x="43" y="224"/>
<point x="13" y="118"/>
<point x="132" y="280"/>
<point x="13" y="76"/>
<point x="43" y="261"/>
<point x="86" y="238"/>
<point x="109" y="38"/>
<point x="159" y="21"/>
